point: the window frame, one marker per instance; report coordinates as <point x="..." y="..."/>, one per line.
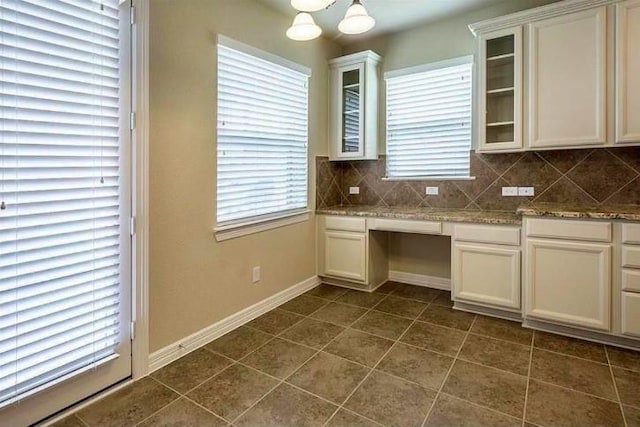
<point x="249" y="225"/>
<point x="431" y="66"/>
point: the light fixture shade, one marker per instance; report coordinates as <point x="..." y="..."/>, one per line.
<point x="310" y="5"/>
<point x="303" y="28"/>
<point x="356" y="20"/>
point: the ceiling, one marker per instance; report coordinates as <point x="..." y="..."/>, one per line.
<point x="390" y="15"/>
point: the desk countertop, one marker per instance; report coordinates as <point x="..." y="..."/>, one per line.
<point x="628" y="213"/>
<point x="425" y="214"/>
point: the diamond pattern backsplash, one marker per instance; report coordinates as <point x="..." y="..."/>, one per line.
<point x="588" y="178"/>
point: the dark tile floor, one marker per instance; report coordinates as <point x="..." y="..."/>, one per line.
<point x="397" y="357"/>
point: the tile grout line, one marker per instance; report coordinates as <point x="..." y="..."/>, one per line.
<point x="282" y="381"/>
<point x="615" y="387"/>
<point x="446" y="377"/>
<point x="81" y="420"/>
<point x="526" y="392"/>
<point x="379" y="360"/>
<point x="164" y="406"/>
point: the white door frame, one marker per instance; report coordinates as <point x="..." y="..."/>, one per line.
<point x="140" y="189"/>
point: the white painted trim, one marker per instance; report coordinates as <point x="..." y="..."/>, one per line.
<point x="262" y="54"/>
<point x="174" y="351"/>
<point x="536" y="14"/>
<point x="451" y="62"/>
<point x="257" y="225"/>
<point x="140" y="190"/>
<point x="420" y="280"/>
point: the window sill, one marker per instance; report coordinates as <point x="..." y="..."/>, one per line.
<point x="257" y="225"/>
<point x="429" y="178"/>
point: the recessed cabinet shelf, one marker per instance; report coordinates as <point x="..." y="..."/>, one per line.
<point x="500" y="90"/>
<point x="501" y="57"/>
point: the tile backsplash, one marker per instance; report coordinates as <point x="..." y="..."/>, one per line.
<point x="591" y="177"/>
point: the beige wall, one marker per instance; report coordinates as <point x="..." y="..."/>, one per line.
<point x="431" y="42"/>
<point x="195" y="281"/>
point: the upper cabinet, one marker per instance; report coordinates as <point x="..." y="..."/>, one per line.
<point x="500" y="90"/>
<point x="568" y="80"/>
<point x="568" y="68"/>
<point x="628" y="72"/>
<point x="353" y="116"/>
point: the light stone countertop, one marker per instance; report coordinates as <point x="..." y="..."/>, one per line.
<point x="425" y="214"/>
<point x="627" y="213"/>
<point x="559" y="210"/>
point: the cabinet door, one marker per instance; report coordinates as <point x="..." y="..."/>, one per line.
<point x="567" y="80"/>
<point x="631" y="314"/>
<point x="487" y="275"/>
<point x="350" y="112"/>
<point x="569" y="282"/>
<point x="500" y="90"/>
<point x="345" y="255"/>
<point x="628" y="71"/>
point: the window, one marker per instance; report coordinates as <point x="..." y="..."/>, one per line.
<point x="63" y="194"/>
<point x="262" y="135"/>
<point x="429" y="120"/>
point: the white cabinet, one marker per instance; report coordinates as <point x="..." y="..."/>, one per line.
<point x="353" y="116"/>
<point x="628" y="71"/>
<point x="345" y="255"/>
<point x="569" y="282"/>
<point x="499" y="98"/>
<point x="485" y="265"/>
<point x="631" y="314"/>
<point x="487" y="275"/>
<point x="567" y="88"/>
<point x="350" y="253"/>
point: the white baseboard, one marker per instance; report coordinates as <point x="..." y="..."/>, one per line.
<point x="420" y="280"/>
<point x="174" y="351"/>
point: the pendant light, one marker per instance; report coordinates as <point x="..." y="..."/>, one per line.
<point x="311" y="5"/>
<point x="303" y="28"/>
<point x="356" y="20"/>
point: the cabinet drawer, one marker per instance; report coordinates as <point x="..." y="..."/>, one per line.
<point x="345" y="224"/>
<point x="488" y="234"/>
<point x="631" y="234"/>
<point x="631" y="314"/>
<point x="573" y="230"/>
<point x="406" y="226"/>
<point x="631" y="280"/>
<point x="630" y="257"/>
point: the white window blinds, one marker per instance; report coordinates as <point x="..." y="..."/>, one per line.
<point x="429" y="120"/>
<point x="262" y="134"/>
<point x="59" y="187"/>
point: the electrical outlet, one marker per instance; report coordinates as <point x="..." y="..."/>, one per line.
<point x="526" y="191"/>
<point x="431" y="191"/>
<point x="354" y="190"/>
<point x="255" y="274"/>
<point x="509" y="191"/>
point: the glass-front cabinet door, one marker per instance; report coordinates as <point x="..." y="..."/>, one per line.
<point x="352" y="106"/>
<point x="353" y="126"/>
<point x="500" y="90"/>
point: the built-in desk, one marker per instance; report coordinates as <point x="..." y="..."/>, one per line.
<point x="560" y="268"/>
<point x="485" y="249"/>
